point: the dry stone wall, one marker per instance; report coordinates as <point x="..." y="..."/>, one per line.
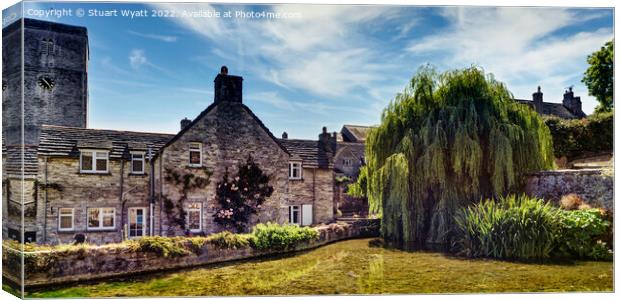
<point x="594" y="186"/>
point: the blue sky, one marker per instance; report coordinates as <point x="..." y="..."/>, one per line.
<point x="327" y="65"/>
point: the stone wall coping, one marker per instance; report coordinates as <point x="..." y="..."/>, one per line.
<point x="567" y="172"/>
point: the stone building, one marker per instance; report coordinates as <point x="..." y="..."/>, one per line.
<point x="570" y="108"/>
<point x="111" y="184"/>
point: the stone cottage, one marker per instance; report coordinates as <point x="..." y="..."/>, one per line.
<point x="570" y="108"/>
<point x="111" y="184"/>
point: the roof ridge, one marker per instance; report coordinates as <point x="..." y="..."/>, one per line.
<point x="104" y="129"/>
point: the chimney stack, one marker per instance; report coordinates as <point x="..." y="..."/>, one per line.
<point x="185" y="122"/>
<point x="573" y="103"/>
<point x="228" y="88"/>
<point x="327" y="141"/>
<point x="538" y="96"/>
<point x="284" y="135"/>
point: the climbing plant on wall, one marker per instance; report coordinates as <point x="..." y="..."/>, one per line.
<point x="187" y="181"/>
<point x="446" y="141"/>
<point x="241" y="196"/>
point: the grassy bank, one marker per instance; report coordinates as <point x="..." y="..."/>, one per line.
<point x="352" y="267"/>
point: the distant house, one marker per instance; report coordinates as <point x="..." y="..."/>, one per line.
<point x="570" y="108"/>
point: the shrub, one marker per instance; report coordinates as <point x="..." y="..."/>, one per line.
<point x="573" y="138"/>
<point x="162" y="246"/>
<point x="280" y="237"/>
<point x="513" y="227"/>
<point x="229" y="240"/>
<point x="580" y="234"/>
<point x="572" y="202"/>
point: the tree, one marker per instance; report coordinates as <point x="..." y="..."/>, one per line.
<point x="599" y="77"/>
<point x="241" y="196"/>
<point x="446" y="141"/>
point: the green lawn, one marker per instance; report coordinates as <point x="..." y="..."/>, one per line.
<point x="352" y="267"/>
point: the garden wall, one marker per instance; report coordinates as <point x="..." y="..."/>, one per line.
<point x="101" y="262"/>
<point x="594" y="186"/>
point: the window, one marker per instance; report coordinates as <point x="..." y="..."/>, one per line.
<point x="195" y="154"/>
<point x="92" y="161"/>
<point x="294" y="214"/>
<point x="65" y="219"/>
<point x="136" y="222"/>
<point x="194" y="217"/>
<point x="294" y="170"/>
<point x="137" y="163"/>
<point x="347" y="162"/>
<point x="101" y="218"/>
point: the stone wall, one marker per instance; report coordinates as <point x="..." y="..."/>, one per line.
<point x="595" y="186"/>
<point x="107" y="262"/>
<point x="82" y="191"/>
<point x="229" y="135"/>
<point x="317" y="188"/>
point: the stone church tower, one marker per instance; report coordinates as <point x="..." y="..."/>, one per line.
<point x="55" y="60"/>
<point x="44" y="82"/>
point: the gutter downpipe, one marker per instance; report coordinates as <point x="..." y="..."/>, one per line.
<point x="151" y="191"/>
<point x="45" y="205"/>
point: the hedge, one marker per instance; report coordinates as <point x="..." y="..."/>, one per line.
<point x="577" y="137"/>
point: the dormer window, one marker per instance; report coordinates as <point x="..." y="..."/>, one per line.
<point x="94" y="161"/>
<point x="137" y="163"/>
<point x="195" y="154"/>
<point x="294" y="170"/>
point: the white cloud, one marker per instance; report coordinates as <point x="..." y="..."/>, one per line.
<point x="322" y="52"/>
<point x="163" y="38"/>
<point x="518" y="46"/>
<point x="137" y="59"/>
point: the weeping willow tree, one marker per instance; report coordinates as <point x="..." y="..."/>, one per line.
<point x="446" y="141"/>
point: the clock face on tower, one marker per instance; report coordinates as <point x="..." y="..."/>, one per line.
<point x="46" y="83"/>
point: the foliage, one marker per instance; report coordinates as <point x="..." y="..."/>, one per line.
<point x="241" y="197"/>
<point x="580" y="232"/>
<point x="573" y="138"/>
<point x="513" y="227"/>
<point x="229" y="240"/>
<point x="188" y="181"/>
<point x="281" y="237"/>
<point x="162" y="246"/>
<point x="446" y="141"/>
<point x="358" y="189"/>
<point x="599" y="77"/>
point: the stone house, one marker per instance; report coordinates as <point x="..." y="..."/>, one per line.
<point x="570" y="108"/>
<point x="64" y="179"/>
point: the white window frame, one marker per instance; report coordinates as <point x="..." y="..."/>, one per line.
<point x="143" y="159"/>
<point x="199" y="150"/>
<point x="291" y="211"/>
<point x="101" y="227"/>
<point x="61" y="215"/>
<point x="199" y="210"/>
<point x="295" y="165"/>
<point x="93" y="154"/>
<point x="129" y="210"/>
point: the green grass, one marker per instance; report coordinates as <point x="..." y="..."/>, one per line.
<point x="352" y="267"/>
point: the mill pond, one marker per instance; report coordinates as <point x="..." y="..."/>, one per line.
<point x="354" y="267"/>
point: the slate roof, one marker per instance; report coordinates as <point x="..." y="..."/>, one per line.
<point x="13" y="162"/>
<point x="66" y="141"/>
<point x="354" y="133"/>
<point x="310" y="152"/>
<point x="553" y="109"/>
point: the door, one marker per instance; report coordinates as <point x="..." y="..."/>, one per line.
<point x="306" y="215"/>
<point x="137" y="218"/>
